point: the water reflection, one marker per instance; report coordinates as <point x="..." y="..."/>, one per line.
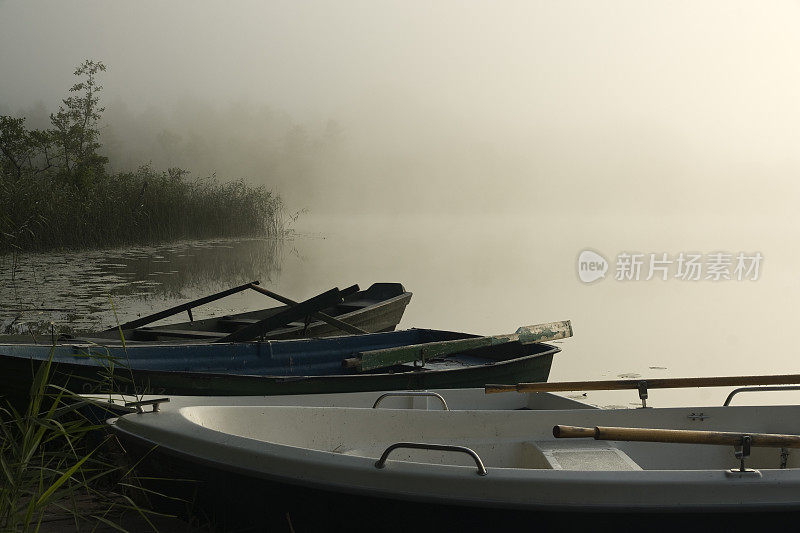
<point x="484" y="275"/>
<point x="75" y="290"/>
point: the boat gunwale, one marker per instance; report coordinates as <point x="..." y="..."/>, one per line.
<point x="551" y="351"/>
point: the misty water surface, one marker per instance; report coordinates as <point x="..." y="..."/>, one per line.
<point x="484" y="275"/>
<point x="89" y="290"/>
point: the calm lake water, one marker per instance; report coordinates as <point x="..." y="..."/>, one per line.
<point x="479" y="274"/>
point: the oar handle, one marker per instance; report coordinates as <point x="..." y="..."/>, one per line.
<point x="680" y="436"/>
<point x="188" y="306"/>
<point x="573" y="432"/>
<point x="657" y="383"/>
<point x="491" y="389"/>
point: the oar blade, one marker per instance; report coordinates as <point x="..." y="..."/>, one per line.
<point x="370" y="360"/>
<point x="550" y="331"/>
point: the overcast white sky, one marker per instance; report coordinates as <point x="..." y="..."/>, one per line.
<point x="620" y="89"/>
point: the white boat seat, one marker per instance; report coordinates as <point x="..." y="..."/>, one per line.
<point x="576" y="455"/>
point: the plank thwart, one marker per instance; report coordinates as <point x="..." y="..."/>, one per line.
<point x="335" y="322"/>
<point x="290" y="314"/>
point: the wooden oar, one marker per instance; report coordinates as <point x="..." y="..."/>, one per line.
<point x="372" y="359"/>
<point x="301" y="310"/>
<point x="335" y="322"/>
<point x="772" y="440"/>
<point x="658" y="383"/>
<point x="182" y="307"/>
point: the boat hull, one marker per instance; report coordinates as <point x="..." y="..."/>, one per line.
<point x="242" y="502"/>
<point x="267" y="484"/>
<point x="310" y="366"/>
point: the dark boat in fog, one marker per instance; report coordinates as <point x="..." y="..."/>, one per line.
<point x="335" y="312"/>
<point x="376" y="309"/>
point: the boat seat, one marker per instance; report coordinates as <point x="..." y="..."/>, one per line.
<point x="182" y="333"/>
<point x="238" y="321"/>
<point x="576" y="455"/>
<point x="232" y="324"/>
<point x="241" y="322"/>
<point x="356" y="304"/>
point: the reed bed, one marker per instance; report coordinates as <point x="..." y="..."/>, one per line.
<point x="145" y="206"/>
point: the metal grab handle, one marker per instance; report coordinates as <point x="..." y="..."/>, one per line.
<point x="410" y="393"/>
<point x="380" y="463"/>
<point x="156" y="403"/>
<point x="755" y="389"/>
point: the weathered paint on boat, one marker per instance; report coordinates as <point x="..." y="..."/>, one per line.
<point x="305" y="366"/>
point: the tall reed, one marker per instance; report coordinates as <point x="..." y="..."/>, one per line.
<point x="44" y="212"/>
<point x="53" y="460"/>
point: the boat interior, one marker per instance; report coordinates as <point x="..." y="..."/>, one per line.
<point x="219" y="327"/>
<point x="451" y="399"/>
<point x="517" y="439"/>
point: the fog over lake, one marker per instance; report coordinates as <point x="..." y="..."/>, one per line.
<point x="469" y="150"/>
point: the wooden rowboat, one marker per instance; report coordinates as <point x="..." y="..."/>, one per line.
<point x="411" y="359"/>
<point x="376" y="309"/>
<point x="334" y="468"/>
<point x="349" y="311"/>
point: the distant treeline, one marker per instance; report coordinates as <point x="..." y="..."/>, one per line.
<point x="56" y="189"/>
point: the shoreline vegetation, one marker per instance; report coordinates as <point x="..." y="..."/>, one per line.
<point x="62" y="469"/>
<point x="56" y="192"/>
<point x="54" y="460"/>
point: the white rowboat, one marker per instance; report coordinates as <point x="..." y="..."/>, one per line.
<point x="387" y="468"/>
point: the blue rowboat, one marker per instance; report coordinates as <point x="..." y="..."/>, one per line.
<point x="302" y="366"/>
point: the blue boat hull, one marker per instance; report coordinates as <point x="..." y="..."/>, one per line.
<point x="272" y="367"/>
